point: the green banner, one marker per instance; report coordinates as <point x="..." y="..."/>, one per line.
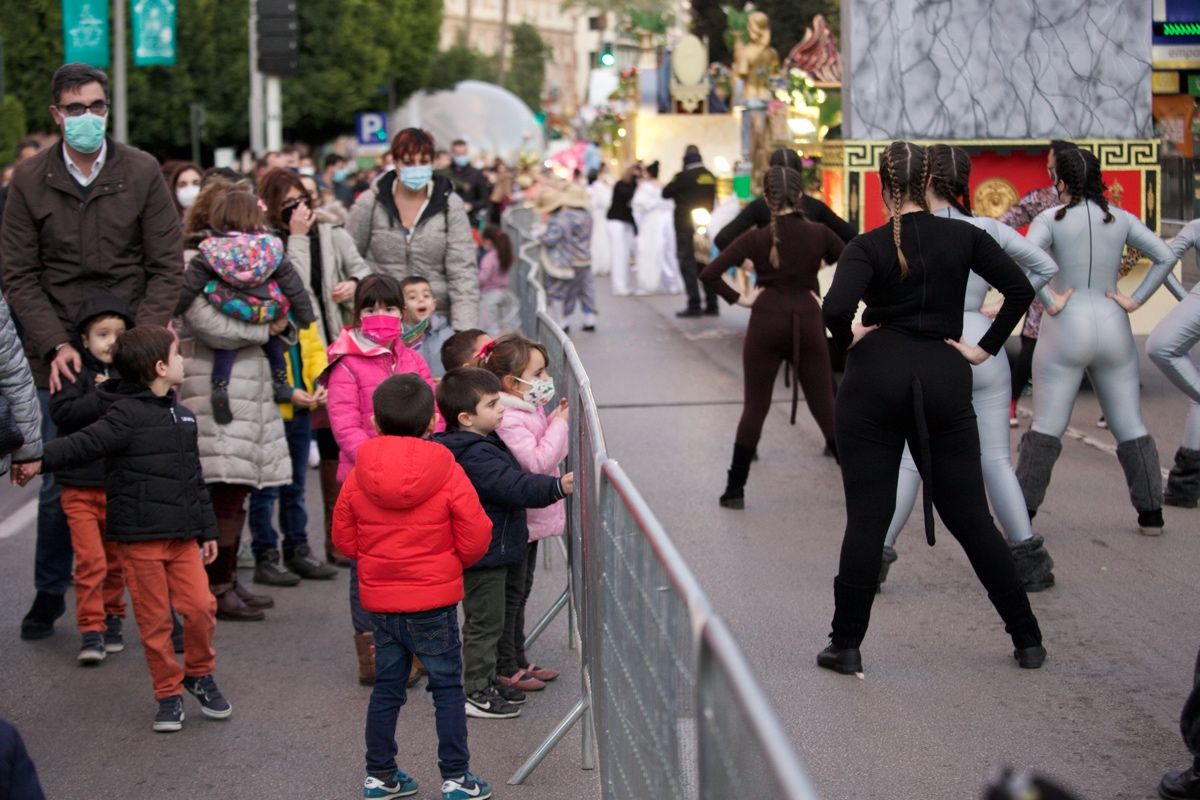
<point x="153" y="33"/>
<point x="85" y="32"/>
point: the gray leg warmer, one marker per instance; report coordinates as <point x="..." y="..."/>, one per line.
<point x="1034" y="565"/>
<point x="1139" y="459"/>
<point x="1036" y="455"/>
<point x="1183" y="484"/>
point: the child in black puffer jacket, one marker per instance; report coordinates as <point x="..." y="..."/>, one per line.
<point x="158" y="509"/>
<point x="99" y="584"/>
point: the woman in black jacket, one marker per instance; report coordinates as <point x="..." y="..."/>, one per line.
<point x="908" y="378"/>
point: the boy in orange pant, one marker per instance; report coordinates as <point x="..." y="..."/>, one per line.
<point x="99" y="584"/>
<point x="158" y="508"/>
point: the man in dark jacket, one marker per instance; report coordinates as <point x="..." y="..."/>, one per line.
<point x="469" y="399"/>
<point x="691" y="189"/>
<point x="85" y="216"/>
<point x="158" y="511"/>
<point x="469" y="182"/>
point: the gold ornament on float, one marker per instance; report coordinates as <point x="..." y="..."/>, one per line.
<point x="993" y="197"/>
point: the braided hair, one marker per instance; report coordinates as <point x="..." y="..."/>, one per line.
<point x="782" y="187"/>
<point x="1079" y="169"/>
<point x="903" y="177"/>
<point x="786" y="157"/>
<point x="950" y="171"/>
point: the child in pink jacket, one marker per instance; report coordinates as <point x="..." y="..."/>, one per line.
<point x="539" y="443"/>
<point x="367" y="352"/>
<point x="364" y="354"/>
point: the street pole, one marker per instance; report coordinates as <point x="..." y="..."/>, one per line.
<point x="257" y="143"/>
<point x="274" y="112"/>
<point x="120" y="109"/>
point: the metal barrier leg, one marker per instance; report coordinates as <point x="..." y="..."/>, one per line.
<point x="589" y="738"/>
<point x="545" y="621"/>
<point x="553" y="739"/>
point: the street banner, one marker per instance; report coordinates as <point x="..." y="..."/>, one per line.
<point x="85" y="32"/>
<point x="153" y="33"/>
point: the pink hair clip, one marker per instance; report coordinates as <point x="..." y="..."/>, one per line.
<point x="262" y="206"/>
<point x="485" y="352"/>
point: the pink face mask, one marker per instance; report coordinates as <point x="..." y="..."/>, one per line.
<point x="382" y="329"/>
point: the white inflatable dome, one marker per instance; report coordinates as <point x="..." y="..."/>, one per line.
<point x="492" y="120"/>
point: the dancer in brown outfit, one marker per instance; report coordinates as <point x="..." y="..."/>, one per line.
<point x="785" y="323"/>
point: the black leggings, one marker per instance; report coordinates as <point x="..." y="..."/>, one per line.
<point x="1022" y="366"/>
<point x="876" y="415"/>
<point x="773" y="337"/>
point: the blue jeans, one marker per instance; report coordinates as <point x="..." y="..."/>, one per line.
<point x="293" y="518"/>
<point x="53" y="556"/>
<point x="432" y="635"/>
<point x="360" y="618"/>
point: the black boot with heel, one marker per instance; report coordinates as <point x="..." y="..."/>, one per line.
<point x="735" y="488"/>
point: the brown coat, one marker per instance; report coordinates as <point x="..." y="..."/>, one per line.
<point x="61" y="245"/>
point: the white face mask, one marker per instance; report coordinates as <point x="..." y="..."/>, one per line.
<point x="540" y="391"/>
<point x="187" y="195"/>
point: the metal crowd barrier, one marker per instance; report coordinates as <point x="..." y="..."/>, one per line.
<point x="667" y="700"/>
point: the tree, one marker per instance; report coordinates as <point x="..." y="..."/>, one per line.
<point x="789" y="19"/>
<point x="33" y="49"/>
<point x="460" y="63"/>
<point x="528" y="73"/>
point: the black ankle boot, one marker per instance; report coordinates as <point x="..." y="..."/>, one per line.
<point x="221" y="410"/>
<point x="843" y="660"/>
<point x="1183" y="484"/>
<point x="283" y="389"/>
<point x="734" y="496"/>
<point x="39" y="622"/>
<point x="1031" y="657"/>
<point x="1021" y="625"/>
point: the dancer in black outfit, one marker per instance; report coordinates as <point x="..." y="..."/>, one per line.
<point x="908" y="378"/>
<point x="785" y="323"/>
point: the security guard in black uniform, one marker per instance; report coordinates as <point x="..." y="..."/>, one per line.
<point x="693" y="188"/>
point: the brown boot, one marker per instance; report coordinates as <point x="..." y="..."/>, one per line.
<point x="230" y="607"/>
<point x="329" y="495"/>
<point x="250" y="598"/>
<point x="364" y="644"/>
<point x="417" y="672"/>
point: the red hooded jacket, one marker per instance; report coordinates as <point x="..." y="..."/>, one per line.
<point x="413" y="521"/>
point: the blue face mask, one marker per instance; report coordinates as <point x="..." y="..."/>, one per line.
<point x="461" y="161"/>
<point x="339" y="175"/>
<point x="416" y="178"/>
<point x="85" y="133"/>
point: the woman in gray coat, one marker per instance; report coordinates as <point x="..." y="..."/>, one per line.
<point x="249" y="453"/>
<point x="16" y="386"/>
<point x="412" y="223"/>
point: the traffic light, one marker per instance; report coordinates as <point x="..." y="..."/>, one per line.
<point x="278" y="32"/>
<point x="607" y="58"/>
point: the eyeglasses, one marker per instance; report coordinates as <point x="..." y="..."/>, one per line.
<point x="100" y="108"/>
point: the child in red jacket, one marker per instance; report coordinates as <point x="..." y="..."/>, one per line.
<point x="412" y="520"/>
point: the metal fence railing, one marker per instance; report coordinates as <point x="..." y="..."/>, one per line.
<point x="667" y="700"/>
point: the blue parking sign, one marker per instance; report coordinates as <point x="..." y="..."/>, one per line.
<point x="371" y="128"/>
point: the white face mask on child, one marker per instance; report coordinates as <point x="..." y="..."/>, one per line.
<point x="540" y="391"/>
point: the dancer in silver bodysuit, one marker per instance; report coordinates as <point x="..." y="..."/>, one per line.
<point x="1092" y="332"/>
<point x="1168" y="347"/>
<point x="991" y="388"/>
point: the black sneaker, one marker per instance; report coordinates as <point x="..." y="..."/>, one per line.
<point x="1030" y="657"/>
<point x="268" y="570"/>
<point x="301" y="562"/>
<point x="212" y="702"/>
<point x="170" y="714"/>
<point x="712" y="311"/>
<point x="39" y="622"/>
<point x="114" y="640"/>
<point x="510" y="693"/>
<point x="487" y="704"/>
<point x="91" y="652"/>
<point x="689" y="312"/>
<point x="1150" y="523"/>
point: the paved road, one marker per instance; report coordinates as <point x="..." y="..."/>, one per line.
<point x="298" y="711"/>
<point x="942" y="703"/>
